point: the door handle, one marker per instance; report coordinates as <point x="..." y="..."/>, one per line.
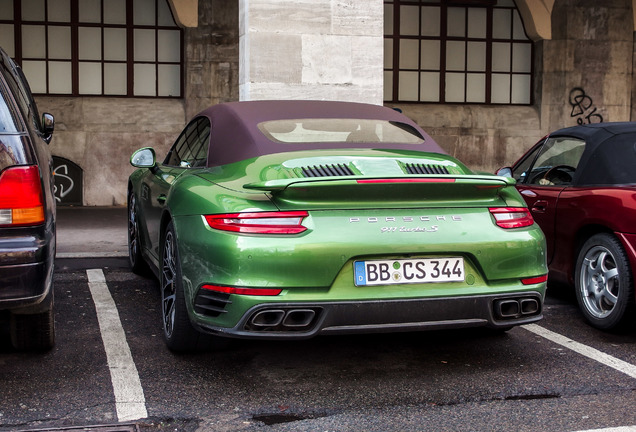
<point x="161" y="199"/>
<point x="539" y="206"/>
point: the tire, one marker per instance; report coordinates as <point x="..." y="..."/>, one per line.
<point x="135" y="258"/>
<point x="604" y="283"/>
<point x="178" y="332"/>
<point x="33" y="332"/>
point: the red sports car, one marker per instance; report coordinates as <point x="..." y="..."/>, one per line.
<point x="580" y="184"/>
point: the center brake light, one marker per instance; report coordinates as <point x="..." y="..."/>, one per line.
<point x="407" y="180"/>
<point x="512" y="217"/>
<point x="21" y="198"/>
<point x="289" y="222"/>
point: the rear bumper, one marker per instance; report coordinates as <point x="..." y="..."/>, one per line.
<point x="305" y="320"/>
<point x="26" y="268"/>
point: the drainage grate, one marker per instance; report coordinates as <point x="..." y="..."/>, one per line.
<point x="286" y="417"/>
<point x="272" y="419"/>
<point x="532" y="397"/>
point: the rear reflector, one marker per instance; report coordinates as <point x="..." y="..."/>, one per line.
<point x="534" y="280"/>
<point x="243" y="291"/>
<point x="21" y="199"/>
<point x="259" y="223"/>
<point x="512" y="217"/>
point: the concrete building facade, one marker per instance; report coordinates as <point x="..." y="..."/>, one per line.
<point x="583" y="71"/>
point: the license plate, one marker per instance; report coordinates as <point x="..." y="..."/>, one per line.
<point x="405" y="271"/>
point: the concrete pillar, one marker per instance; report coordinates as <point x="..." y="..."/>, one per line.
<point x="311" y="49"/>
<point x="211" y="56"/>
<point x="587" y="66"/>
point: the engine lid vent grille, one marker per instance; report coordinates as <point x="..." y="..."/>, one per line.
<point x="327" y="170"/>
<point x="413" y="168"/>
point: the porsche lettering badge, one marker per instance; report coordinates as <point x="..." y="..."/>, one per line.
<point x="411" y="223"/>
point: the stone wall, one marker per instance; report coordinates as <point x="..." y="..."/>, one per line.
<point x="588" y="71"/>
<point x="311" y="49"/>
<point x="485" y="138"/>
<point x="100" y="134"/>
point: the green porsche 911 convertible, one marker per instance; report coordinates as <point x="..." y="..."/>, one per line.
<point x="291" y="219"/>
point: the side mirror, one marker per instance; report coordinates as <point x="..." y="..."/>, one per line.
<point x="143" y="158"/>
<point x="48" y="125"/>
<point x="505" y="172"/>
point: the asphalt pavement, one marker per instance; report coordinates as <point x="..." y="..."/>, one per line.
<point x="560" y="375"/>
<point x="92" y="232"/>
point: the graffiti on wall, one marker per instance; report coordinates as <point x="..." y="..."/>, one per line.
<point x="583" y="107"/>
<point x="68" y="182"/>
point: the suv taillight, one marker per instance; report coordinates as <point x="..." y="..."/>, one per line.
<point x="21" y="199"/>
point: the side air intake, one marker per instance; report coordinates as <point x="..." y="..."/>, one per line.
<point x="413" y="168"/>
<point x="211" y="303"/>
<point x="327" y="170"/>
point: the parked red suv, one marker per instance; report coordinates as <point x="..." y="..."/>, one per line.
<point x="27" y="213"/>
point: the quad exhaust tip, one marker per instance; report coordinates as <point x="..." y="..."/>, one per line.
<point x="516" y="308"/>
<point x="268" y="318"/>
<point x="281" y="320"/>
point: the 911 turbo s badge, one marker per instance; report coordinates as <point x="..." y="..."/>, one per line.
<point x="411" y="223"/>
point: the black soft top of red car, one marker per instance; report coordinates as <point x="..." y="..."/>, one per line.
<point x="235" y="134"/>
<point x="610" y="153"/>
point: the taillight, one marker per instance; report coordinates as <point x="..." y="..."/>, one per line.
<point x="243" y="291"/>
<point x="259" y="223"/>
<point x="21" y="198"/>
<point x="512" y="217"/>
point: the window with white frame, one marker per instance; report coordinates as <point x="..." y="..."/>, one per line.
<point x="456" y="51"/>
<point x="95" y="47"/>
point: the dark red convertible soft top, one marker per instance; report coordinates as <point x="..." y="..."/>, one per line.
<point x="235" y="134"/>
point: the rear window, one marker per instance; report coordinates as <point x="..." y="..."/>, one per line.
<point x="339" y="130"/>
<point x="12" y="151"/>
<point x="8" y="117"/>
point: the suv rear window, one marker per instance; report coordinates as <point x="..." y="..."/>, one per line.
<point x="12" y="142"/>
<point x="8" y="119"/>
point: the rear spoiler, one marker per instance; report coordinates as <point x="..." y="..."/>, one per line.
<point x="385" y="192"/>
<point x="278" y="185"/>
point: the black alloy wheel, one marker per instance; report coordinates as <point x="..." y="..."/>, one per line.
<point x="135" y="259"/>
<point x="178" y="331"/>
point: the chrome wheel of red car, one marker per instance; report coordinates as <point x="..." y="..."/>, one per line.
<point x="603" y="281"/>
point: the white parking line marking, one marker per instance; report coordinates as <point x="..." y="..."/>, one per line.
<point x="130" y="401"/>
<point x="592" y="353"/>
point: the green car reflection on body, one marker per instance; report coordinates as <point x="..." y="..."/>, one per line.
<point x="291" y="219"/>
